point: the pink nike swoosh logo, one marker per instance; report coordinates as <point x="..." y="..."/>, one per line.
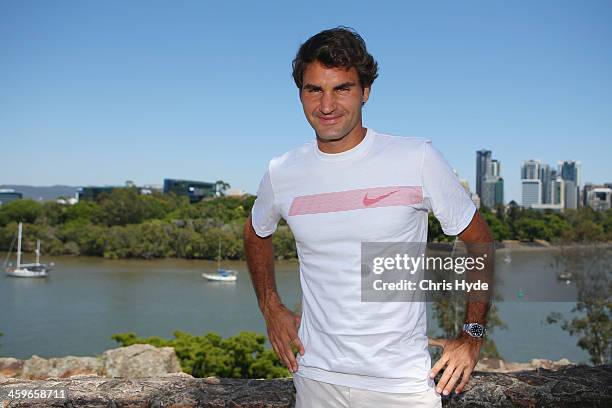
<point x="371" y="201"/>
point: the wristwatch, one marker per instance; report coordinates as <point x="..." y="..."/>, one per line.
<point x="476" y="330"/>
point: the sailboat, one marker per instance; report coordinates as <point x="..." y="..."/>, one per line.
<point x="27" y="270"/>
<point x="225" y="275"/>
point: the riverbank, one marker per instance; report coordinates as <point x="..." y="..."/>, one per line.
<point x="505" y="246"/>
<point x="541" y="245"/>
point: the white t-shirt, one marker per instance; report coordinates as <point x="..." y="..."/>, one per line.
<point x="379" y="191"/>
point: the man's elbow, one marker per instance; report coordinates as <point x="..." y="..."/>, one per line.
<point x="478" y="231"/>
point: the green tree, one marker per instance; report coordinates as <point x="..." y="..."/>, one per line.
<point x="25" y="211"/>
<point x="284" y="243"/>
<point x="591" y="323"/>
<point x="241" y="356"/>
<point x="586" y="225"/>
<point x="590" y="319"/>
<point x="500" y="229"/>
<point x="530" y="229"/>
<point x="221" y="187"/>
<point x="53" y="213"/>
<point x="85" y="212"/>
<point x="121" y="207"/>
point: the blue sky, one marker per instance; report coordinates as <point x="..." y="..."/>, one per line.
<point x="102" y="92"/>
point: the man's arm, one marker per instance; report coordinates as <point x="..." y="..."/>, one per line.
<point x="282" y="324"/>
<point x="461" y="355"/>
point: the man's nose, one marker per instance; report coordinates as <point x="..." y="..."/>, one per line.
<point x="328" y="103"/>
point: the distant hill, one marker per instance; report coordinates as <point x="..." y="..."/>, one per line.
<point x="43" y="193"/>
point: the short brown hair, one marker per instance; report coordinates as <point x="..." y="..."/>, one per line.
<point x="334" y="48"/>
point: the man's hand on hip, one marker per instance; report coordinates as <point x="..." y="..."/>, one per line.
<point x="282" y="325"/>
<point x="458" y="360"/>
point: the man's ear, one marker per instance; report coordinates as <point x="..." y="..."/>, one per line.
<point x="366" y="95"/>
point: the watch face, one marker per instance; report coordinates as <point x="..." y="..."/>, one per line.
<point x="476" y="330"/>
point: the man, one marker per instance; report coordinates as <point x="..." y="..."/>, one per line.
<point x="355" y="185"/>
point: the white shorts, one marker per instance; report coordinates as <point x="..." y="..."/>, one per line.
<point x="317" y="394"/>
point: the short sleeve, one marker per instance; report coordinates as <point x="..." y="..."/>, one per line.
<point x="444" y="194"/>
<point x="265" y="214"/>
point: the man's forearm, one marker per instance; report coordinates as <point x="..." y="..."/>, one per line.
<point x="260" y="261"/>
<point x="479" y="244"/>
<point x="478" y="302"/>
<point x="476" y="312"/>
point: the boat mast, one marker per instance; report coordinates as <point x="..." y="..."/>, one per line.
<point x="38" y="252"/>
<point x="19" y="248"/>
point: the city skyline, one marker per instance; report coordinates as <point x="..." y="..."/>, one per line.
<point x="169" y="92"/>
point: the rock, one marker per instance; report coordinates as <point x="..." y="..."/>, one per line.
<point x="496" y="365"/>
<point x="140" y="360"/>
<point x="179" y="374"/>
<point x="212" y="380"/>
<point x="168" y="391"/>
<point x="549" y="364"/>
<point x="571" y="386"/>
<point x="63" y="367"/>
<point x="10" y="367"/>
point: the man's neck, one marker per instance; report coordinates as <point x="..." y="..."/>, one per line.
<point x="352" y="139"/>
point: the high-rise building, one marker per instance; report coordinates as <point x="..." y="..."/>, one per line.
<point x="557" y="192"/>
<point x="530" y="170"/>
<point x="570" y="172"/>
<point x="531" y="192"/>
<point x="546" y="175"/>
<point x="483" y="168"/>
<point x="571" y="194"/>
<point x="531" y="185"/>
<point x="559" y="189"/>
<point x="492" y="191"/>
<point x="495" y="168"/>
<point x="488" y="192"/>
<point x="489" y="183"/>
<point x="585" y="193"/>
<point x="499" y="191"/>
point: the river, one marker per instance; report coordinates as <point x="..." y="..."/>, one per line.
<point x="85" y="300"/>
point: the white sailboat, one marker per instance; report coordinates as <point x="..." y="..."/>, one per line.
<point x="27" y="270"/>
<point x="224" y="275"/>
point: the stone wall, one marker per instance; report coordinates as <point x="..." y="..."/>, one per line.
<point x="137" y="360"/>
<point x="144" y="360"/>
<point x="570" y="386"/>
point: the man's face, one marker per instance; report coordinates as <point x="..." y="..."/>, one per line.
<point x="332" y="100"/>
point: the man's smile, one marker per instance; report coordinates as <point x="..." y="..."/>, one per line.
<point x="329" y="120"/>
